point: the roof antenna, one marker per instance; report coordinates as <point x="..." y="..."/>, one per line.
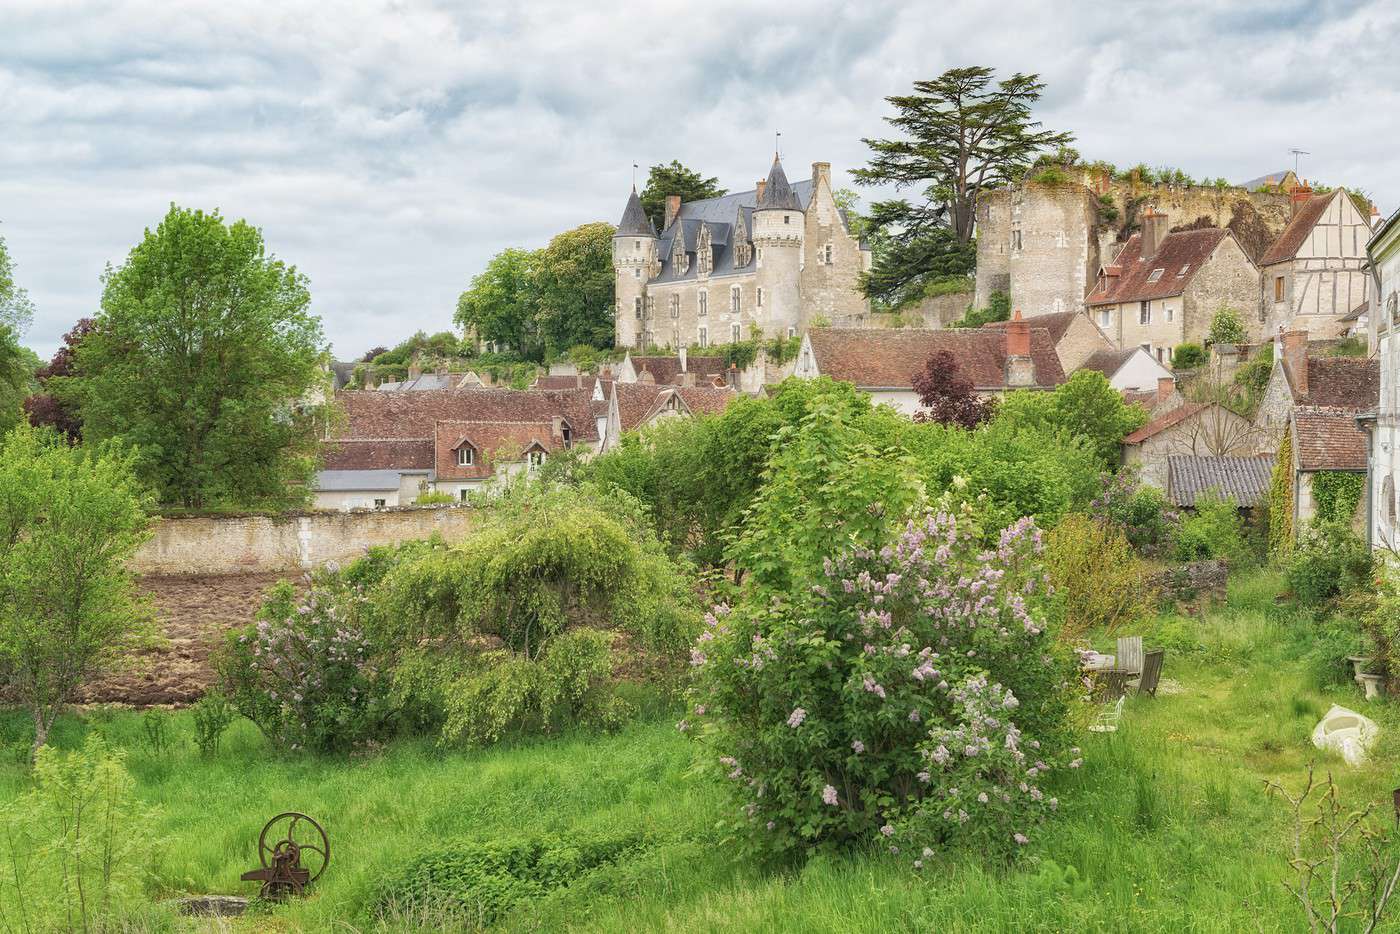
<point x="1296" y="154"/>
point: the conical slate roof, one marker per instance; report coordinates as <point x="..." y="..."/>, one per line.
<point x="635" y="222"/>
<point x="777" y="193"/>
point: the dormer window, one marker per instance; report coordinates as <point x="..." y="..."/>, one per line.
<point x="535" y="459"/>
<point x="568" y="435"/>
<point x="672" y="404"/>
<point x="1184" y="270"/>
<point x="466" y="456"/>
<point x="1156" y="274"/>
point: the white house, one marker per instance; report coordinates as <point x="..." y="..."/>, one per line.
<point x="1131" y="369"/>
<point x="1383" y="250"/>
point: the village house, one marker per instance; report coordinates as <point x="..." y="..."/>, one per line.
<point x="1324" y="440"/>
<point x="1383" y="420"/>
<point x="884" y="362"/>
<point x="1191" y="478"/>
<point x="1130" y="370"/>
<point x="1076" y="338"/>
<point x="1196" y="429"/>
<point x="770" y="260"/>
<point x="1301" y="376"/>
<point x="1163" y="289"/>
<point x="1313" y="276"/>
<point x="634" y="406"/>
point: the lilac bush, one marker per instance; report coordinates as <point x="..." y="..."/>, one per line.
<point x="846" y="713"/>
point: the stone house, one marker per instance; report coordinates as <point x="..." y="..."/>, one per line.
<point x="1383" y="419"/>
<point x="1076" y="337"/>
<point x="771" y="260"/>
<point x="1162" y="289"/>
<point x="1301" y="376"/>
<point x="1197" y="429"/>
<point x="1325" y="440"/>
<point x="1313" y="275"/>
<point x="884" y="362"/>
<point x="634" y="406"/>
<point x="1131" y="369"/>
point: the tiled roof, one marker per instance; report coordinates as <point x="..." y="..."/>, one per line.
<point x="413" y="414"/>
<point x="1162" y="423"/>
<point x="889" y="359"/>
<point x="491" y="442"/>
<point x="638" y="403"/>
<point x="1328" y="439"/>
<point x="1344" y="382"/>
<point x="1108" y="362"/>
<point x="380" y="454"/>
<point x="1144" y="398"/>
<point x="1243" y="479"/>
<point x="668" y="369"/>
<point x="343" y="481"/>
<point x="1288" y="242"/>
<point x="1182" y="249"/>
<point x="1057" y="323"/>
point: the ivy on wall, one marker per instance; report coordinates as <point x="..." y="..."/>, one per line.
<point x="1281" y="499"/>
<point x="1336" y="493"/>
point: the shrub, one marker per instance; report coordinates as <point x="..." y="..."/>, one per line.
<point x="1226" y="327"/>
<point x="1254" y="375"/>
<point x="1142" y="512"/>
<point x="1281" y="499"/>
<point x="827" y="705"/>
<point x="155" y="731"/>
<point x="1330" y="560"/>
<point x="1099" y="581"/>
<point x="305" y="672"/>
<point x="1213" y="530"/>
<point x="212" y="715"/>
<point x="1188" y="356"/>
<point x="434" y="498"/>
<point x="1085" y="407"/>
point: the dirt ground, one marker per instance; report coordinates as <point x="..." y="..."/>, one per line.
<point x="194" y="614"/>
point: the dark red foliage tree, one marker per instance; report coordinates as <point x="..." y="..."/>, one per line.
<point x="46" y="410"/>
<point x="371" y="354"/>
<point x="947" y="396"/>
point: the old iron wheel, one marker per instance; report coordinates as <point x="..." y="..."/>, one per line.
<point x="316" y="842"/>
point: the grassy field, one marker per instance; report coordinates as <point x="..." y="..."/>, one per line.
<point x="1166" y="827"/>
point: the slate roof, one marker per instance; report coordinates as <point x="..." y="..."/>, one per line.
<point x="372" y="414"/>
<point x="635" y="222"/>
<point x="1273" y="178"/>
<point x="1160" y="424"/>
<point x="1189" y="249"/>
<point x="379" y="454"/>
<point x="1109" y="362"/>
<point x="1328" y="439"/>
<point x="1057" y="323"/>
<point x="493" y="443"/>
<point x="1288" y="242"/>
<point x="777" y="193"/>
<point x="1344" y="382"/>
<point x="342" y="481"/>
<point x="1243" y="479"/>
<point x="888" y="359"/>
<point x="720" y="215"/>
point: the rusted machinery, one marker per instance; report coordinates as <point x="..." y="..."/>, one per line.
<point x="294" y="851"/>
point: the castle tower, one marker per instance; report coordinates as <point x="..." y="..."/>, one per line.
<point x="634" y="263"/>
<point x="778" y="222"/>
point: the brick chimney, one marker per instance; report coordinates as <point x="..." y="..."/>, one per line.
<point x="821" y="171"/>
<point x="762" y="184"/>
<point x="1295" y="359"/>
<point x="673" y="207"/>
<point x="646" y="376"/>
<point x="1020" y="367"/>
<point x="687" y="379"/>
<point x="1299" y="196"/>
<point x="1154" y="231"/>
<point x="1166" y="385"/>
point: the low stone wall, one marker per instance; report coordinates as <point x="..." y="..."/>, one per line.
<point x="199" y="545"/>
<point x="1195" y="583"/>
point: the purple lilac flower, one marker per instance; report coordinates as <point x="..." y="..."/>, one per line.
<point x="829" y="794"/>
<point x="795" y="718"/>
<point x="858" y="746"/>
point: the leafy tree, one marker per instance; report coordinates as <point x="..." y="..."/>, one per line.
<point x="1226" y="327"/>
<point x="1084" y="407"/>
<point x="501" y="304"/>
<point x="70" y="518"/>
<point x="998" y="309"/>
<point x="961" y="136"/>
<point x="16" y="378"/>
<point x="1188" y="356"/>
<point x="372" y="353"/>
<point x="200" y="359"/>
<point x="16" y="310"/>
<point x="947" y="396"/>
<point x="675" y="179"/>
<point x="45" y="409"/>
<point x="573" y="285"/>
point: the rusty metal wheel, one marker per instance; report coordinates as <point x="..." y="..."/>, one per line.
<point x="294" y="836"/>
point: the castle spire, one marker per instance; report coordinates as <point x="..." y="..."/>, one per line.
<point x="777" y="193"/>
<point x="635" y="222"/>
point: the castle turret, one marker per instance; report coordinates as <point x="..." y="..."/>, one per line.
<point x="634" y="263"/>
<point x="778" y="222"/>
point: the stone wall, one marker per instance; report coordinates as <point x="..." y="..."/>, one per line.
<point x="1193" y="583"/>
<point x="1229" y="278"/>
<point x="200" y="545"/>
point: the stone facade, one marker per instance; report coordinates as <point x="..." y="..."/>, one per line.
<point x="1384" y="502"/>
<point x="1313" y="277"/>
<point x="765" y="262"/>
<point x="1196" y="429"/>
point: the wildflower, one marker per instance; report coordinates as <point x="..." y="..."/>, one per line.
<point x="913" y="716"/>
<point x="858" y="746"/>
<point x="829" y="794"/>
<point x="683" y="725"/>
<point x="982" y="797"/>
<point x="928" y="851"/>
<point x="795" y="718"/>
<point x="771" y="825"/>
<point x="699" y="710"/>
<point x="1021" y="838"/>
<point x="918" y="864"/>
<point x="887" y="830"/>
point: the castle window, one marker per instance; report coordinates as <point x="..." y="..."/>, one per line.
<point x="1156" y="274"/>
<point x="651" y="306"/>
<point x="704" y="302"/>
<point x="675" y="306"/>
<point x="826" y="254"/>
<point x="787" y="218"/>
<point x="736" y="333"/>
<point x="735" y="300"/>
<point x="637" y="307"/>
<point x="704" y="337"/>
<point x="759" y="301"/>
<point x="1144" y="312"/>
<point x="636" y="272"/>
<point x="1016" y="241"/>
<point x="636" y="244"/>
<point x="465" y="456"/>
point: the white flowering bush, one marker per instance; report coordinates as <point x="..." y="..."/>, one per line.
<point x="910" y="683"/>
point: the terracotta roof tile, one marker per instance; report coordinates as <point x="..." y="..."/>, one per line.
<point x="1162" y="423"/>
<point x="889" y="359"/>
<point x="371" y="414"/>
<point x="1189" y="249"/>
<point x="638" y="403"/>
<point x="1108" y="362"/>
<point x="668" y="369"/>
<point x="491" y="442"/>
<point x="1057" y="323"/>
<point x="1344" y="382"/>
<point x="1328" y="439"/>
<point x="379" y="454"/>
<point x="1302" y="223"/>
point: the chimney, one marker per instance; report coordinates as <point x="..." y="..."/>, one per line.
<point x="673" y="207"/>
<point x="578" y="380"/>
<point x="762" y="184"/>
<point x="646" y="376"/>
<point x="1299" y="196"/>
<point x="682" y="355"/>
<point x="1295" y="358"/>
<point x="1020" y="368"/>
<point x="1154" y="231"/>
<point x="821" y="172"/>
<point x="1166" y="385"/>
<point x="414" y="371"/>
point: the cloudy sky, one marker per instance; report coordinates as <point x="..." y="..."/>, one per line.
<point x="389" y="149"/>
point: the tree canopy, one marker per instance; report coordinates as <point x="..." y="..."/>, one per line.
<point x="1084" y="407"/>
<point x="961" y="135"/>
<point x="205" y="359"/>
<point x="16" y="310"/>
<point x="675" y="179"/>
<point x="947" y="396"/>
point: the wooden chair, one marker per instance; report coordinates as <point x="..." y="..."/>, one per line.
<point x="1110" y="684"/>
<point x="1151" y="672"/>
<point x="1129" y="656"/>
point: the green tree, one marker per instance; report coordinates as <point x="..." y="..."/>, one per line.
<point x="16" y="310"/>
<point x="501" y="305"/>
<point x="573" y="284"/>
<point x="675" y="179"/>
<point x="202" y="357"/>
<point x="1085" y="407"/>
<point x="17" y="365"/>
<point x="961" y="135"/>
<point x="70" y="518"/>
<point x="1226" y="327"/>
